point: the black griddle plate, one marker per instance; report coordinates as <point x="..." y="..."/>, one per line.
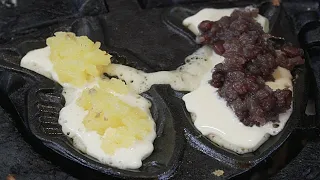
<point x="147" y="39"/>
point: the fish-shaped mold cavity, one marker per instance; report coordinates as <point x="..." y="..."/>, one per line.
<point x="41" y="100"/>
<point x="280" y="25"/>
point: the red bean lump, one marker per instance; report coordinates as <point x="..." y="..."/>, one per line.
<point x="250" y="58"/>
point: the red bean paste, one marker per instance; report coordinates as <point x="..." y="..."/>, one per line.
<point x="250" y="59"/>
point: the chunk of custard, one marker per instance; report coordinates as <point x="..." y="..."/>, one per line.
<point x="119" y="123"/>
<point x="76" y="60"/>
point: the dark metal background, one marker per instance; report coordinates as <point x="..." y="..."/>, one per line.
<point x="298" y="158"/>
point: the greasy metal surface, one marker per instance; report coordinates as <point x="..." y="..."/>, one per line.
<point x="148" y="43"/>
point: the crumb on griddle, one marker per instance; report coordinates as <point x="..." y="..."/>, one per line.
<point x="199" y="136"/>
<point x="218" y="172"/>
<point x="276" y="2"/>
<point x="10" y="177"/>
